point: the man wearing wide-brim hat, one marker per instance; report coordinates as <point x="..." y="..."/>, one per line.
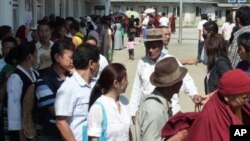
<point x="142" y="86"/>
<point x="155" y="109"/>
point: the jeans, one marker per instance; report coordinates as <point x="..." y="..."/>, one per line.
<point x="200" y="47"/>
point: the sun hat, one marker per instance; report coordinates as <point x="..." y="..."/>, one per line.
<point x="167" y="73"/>
<point x="234" y="82"/>
<point x="154" y="34"/>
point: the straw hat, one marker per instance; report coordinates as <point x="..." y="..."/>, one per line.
<point x="154" y="34"/>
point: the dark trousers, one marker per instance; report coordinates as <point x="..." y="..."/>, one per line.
<point x="200" y="47"/>
<point x="14" y="136"/>
<point x="131" y="54"/>
<point x="2" y="135"/>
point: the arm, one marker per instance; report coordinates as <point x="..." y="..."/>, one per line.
<point x="192" y="61"/>
<point x="14" y="91"/>
<point x="94" y="139"/>
<point x="95" y="123"/>
<point x="110" y="38"/>
<point x="136" y="94"/>
<point x="188" y="85"/>
<point x="130" y="135"/>
<point x="45" y="96"/>
<point x="222" y="67"/>
<point x="64" y="97"/>
<point x="63" y="126"/>
<point x="199" y="34"/>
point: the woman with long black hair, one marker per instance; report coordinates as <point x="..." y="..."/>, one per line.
<point x="107" y="106"/>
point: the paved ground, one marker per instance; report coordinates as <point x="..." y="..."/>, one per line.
<point x="188" y="49"/>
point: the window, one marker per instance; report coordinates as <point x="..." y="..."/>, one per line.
<point x="116" y="9"/>
<point x="129" y="8"/>
<point x="142" y="8"/>
<point x="67" y="7"/>
<point x="198" y="11"/>
<point x="176" y="11"/>
<point x="165" y="10"/>
<point x="218" y="14"/>
<point x="100" y="10"/>
<point x="15" y="17"/>
<point x="75" y="5"/>
<point x="39" y="11"/>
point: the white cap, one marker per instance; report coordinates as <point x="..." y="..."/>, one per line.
<point x="88" y="19"/>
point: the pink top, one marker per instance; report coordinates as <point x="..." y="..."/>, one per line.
<point x="131" y="44"/>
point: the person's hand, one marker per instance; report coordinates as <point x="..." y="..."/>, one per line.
<point x="197" y="99"/>
<point x="133" y="119"/>
<point x="205" y="98"/>
<point x="192" y="62"/>
<point x="179" y="136"/>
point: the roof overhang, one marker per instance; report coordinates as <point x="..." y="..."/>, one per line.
<point x="163" y="1"/>
<point x="231" y="5"/>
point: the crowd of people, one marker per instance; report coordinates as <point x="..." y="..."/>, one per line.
<point x="60" y="83"/>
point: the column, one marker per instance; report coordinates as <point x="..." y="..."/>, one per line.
<point x="6" y="11"/>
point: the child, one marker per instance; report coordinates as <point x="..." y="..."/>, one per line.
<point x="131" y="45"/>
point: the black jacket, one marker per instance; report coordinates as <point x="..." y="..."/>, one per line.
<point x="221" y="66"/>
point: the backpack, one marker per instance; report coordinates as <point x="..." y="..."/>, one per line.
<point x="104" y="125"/>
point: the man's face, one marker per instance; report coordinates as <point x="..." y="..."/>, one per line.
<point x="236" y="102"/>
<point x="154" y="49"/>
<point x="67" y="24"/>
<point x="7" y="46"/>
<point x="44" y="33"/>
<point x="244" y="55"/>
<point x="94" y="67"/>
<point x="91" y="42"/>
<point x="64" y="60"/>
<point x="166" y="36"/>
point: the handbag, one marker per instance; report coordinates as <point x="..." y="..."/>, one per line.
<point x="104" y="125"/>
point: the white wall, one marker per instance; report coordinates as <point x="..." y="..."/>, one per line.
<point x="6" y="12"/>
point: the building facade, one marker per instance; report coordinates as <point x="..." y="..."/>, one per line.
<point x="192" y="9"/>
<point x="19" y="12"/>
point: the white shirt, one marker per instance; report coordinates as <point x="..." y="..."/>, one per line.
<point x="72" y="100"/>
<point x="143" y="87"/>
<point x="200" y="27"/>
<point x="227" y="29"/>
<point x="164" y="21"/>
<point x="43" y="52"/>
<point x="145" y="22"/>
<point x="103" y="63"/>
<point x="14" y="91"/>
<point x="118" y="121"/>
<point x="2" y="63"/>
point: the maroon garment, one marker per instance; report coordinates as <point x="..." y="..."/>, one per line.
<point x="213" y="123"/>
<point x="172" y="23"/>
<point x="156" y="22"/>
<point x="177" y="123"/>
<point x="21" y="33"/>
